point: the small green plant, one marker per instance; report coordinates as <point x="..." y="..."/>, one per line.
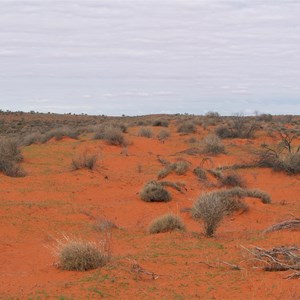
<point x="166" y="223"/>
<point x="153" y="191"/>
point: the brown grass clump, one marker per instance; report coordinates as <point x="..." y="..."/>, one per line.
<point x="112" y="135"/>
<point x="84" y="161"/>
<point x="163" y="135"/>
<point x="212" y="144"/>
<point x="77" y="255"/>
<point x="200" y="173"/>
<point x="212" y="207"/>
<point x="187" y="127"/>
<point x="59" y="133"/>
<point x="10" y="156"/>
<point x="145" y="132"/>
<point x="180" y="168"/>
<point x="231" y="180"/>
<point x="165" y="223"/>
<point x="153" y="191"/>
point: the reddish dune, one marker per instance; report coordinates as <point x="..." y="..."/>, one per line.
<point x="53" y="201"/>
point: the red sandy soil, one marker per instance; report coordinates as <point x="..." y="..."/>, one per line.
<point x="53" y="201"/>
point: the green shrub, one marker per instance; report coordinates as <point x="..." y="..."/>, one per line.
<point x="153" y="191"/>
<point x="166" y="223"/>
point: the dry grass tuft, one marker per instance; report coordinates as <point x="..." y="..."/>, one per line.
<point x="165" y="223"/>
<point x="212" y="144"/>
<point x="145" y="132"/>
<point x="84" y="161"/>
<point x="153" y="191"/>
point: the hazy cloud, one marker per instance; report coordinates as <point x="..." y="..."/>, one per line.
<point x="131" y="57"/>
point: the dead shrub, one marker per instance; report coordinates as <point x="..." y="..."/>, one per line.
<point x="161" y="123"/>
<point x="187" y="127"/>
<point x="145" y="132"/>
<point x="163" y="135"/>
<point x="153" y="191"/>
<point x="212" y="144"/>
<point x="59" y="133"/>
<point x="31" y="138"/>
<point x="232" y="180"/>
<point x="165" y="223"/>
<point x="212" y="207"/>
<point x="112" y="135"/>
<point x="84" y="161"/>
<point x="180" y="168"/>
<point x="10" y="156"/>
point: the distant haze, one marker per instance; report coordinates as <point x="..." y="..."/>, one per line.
<point x="150" y="56"/>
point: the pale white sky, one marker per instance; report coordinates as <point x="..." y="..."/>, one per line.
<point x="150" y="56"/>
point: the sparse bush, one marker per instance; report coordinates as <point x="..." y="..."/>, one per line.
<point x="180" y="168"/>
<point x="153" y="191"/>
<point x="237" y="127"/>
<point x="212" y="144"/>
<point x="165" y="223"/>
<point x="10" y="156"/>
<point x="162" y="123"/>
<point x="187" y="127"/>
<point x="84" y="161"/>
<point x="163" y="135"/>
<point x="112" y="135"/>
<point x="81" y="256"/>
<point x="59" y="133"/>
<point x="200" y="173"/>
<point x="232" y="180"/>
<point x="104" y="225"/>
<point x="31" y="138"/>
<point x="212" y="207"/>
<point x="145" y="132"/>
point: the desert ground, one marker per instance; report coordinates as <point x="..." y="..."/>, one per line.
<point x="81" y="178"/>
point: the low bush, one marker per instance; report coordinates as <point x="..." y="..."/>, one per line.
<point x="59" y="133"/>
<point x="153" y="191"/>
<point x="232" y="180"/>
<point x="187" y="127"/>
<point x="77" y="255"/>
<point x="212" y="144"/>
<point x="84" y="161"/>
<point x="10" y="156"/>
<point x="112" y="135"/>
<point x="163" y="135"/>
<point x="180" y="168"/>
<point x="165" y="223"/>
<point x="160" y="122"/>
<point x="145" y="132"/>
<point x="32" y="138"/>
<point x="200" y="173"/>
<point x="213" y="206"/>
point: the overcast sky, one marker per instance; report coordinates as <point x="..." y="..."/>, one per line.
<point x="136" y="57"/>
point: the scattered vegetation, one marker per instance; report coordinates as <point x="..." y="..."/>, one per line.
<point x="168" y="222"/>
<point x="113" y="135"/>
<point x="145" y="132"/>
<point x="59" y="133"/>
<point x="238" y="126"/>
<point x="10" y="157"/>
<point x="153" y="191"/>
<point x="187" y="127"/>
<point x="212" y="144"/>
<point x="212" y="207"/>
<point x="163" y="135"/>
<point x="180" y="168"/>
<point x="84" y="161"/>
